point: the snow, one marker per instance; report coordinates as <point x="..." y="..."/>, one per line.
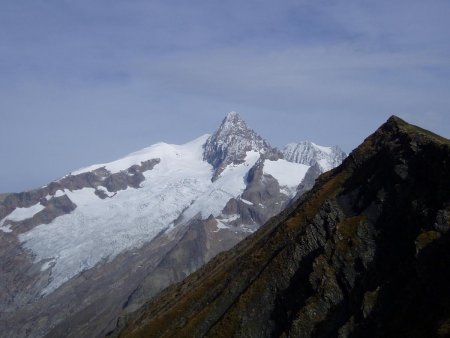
<point x="246" y="202"/>
<point x="230" y="218"/>
<point x="309" y="153"/>
<point x="21" y="214"/>
<point x="6" y="228"/>
<point x="154" y="151"/>
<point x="326" y="150"/>
<point x="221" y="225"/>
<point x="99" y="230"/>
<point x="47" y="265"/>
<point x="109" y="194"/>
<point x="59" y="193"/>
<point x="286" y="173"/>
<point x="325" y="164"/>
<point x="231" y="183"/>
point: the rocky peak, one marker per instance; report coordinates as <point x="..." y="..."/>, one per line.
<point x="231" y="142"/>
<point x="232" y="123"/>
<point x="309" y="153"/>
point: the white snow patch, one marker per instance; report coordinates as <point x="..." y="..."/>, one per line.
<point x="47" y="265"/>
<point x="246" y="202"/>
<point x="59" y="193"/>
<point x="6" y="228"/>
<point x="249" y="228"/>
<point x="109" y="194"/>
<point x="220" y="226"/>
<point x="21" y="214"/>
<point x="286" y="173"/>
<point x="230" y="218"/>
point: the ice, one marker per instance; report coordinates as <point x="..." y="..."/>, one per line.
<point x="101" y="229"/>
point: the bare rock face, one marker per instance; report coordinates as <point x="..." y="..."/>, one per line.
<point x="230" y="143"/>
<point x="365" y="253"/>
<point x="201" y="241"/>
<point x="310" y="179"/>
<point x="261" y="199"/>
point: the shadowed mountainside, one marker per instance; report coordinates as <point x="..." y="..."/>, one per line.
<point x="366" y="252"/>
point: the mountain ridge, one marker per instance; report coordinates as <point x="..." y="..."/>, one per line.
<point x="354" y="256"/>
<point x="309" y="153"/>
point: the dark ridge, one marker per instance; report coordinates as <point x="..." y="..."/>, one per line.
<point x="365" y="253"/>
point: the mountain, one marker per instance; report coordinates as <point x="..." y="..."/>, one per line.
<point x="309" y="153"/>
<point x="232" y="141"/>
<point x="104" y="239"/>
<point x="365" y="253"/>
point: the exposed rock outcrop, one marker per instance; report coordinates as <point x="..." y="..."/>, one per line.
<point x="231" y="142"/>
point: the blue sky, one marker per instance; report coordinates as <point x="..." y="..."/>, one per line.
<point x="90" y="81"/>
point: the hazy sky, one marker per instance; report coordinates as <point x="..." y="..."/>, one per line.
<point x="83" y="82"/>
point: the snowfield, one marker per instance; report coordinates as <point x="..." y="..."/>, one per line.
<point x="287" y="174"/>
<point x="179" y="185"/>
<point x="101" y="229"/>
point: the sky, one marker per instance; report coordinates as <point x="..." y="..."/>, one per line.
<point x="84" y="82"/>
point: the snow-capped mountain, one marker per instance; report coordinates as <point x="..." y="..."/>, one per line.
<point x="309" y="153"/>
<point x="231" y="142"/>
<point x="119" y="232"/>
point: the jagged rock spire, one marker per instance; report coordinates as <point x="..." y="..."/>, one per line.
<point x="230" y="143"/>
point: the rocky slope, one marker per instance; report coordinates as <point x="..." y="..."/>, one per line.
<point x="104" y="239"/>
<point x="365" y="253"/>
